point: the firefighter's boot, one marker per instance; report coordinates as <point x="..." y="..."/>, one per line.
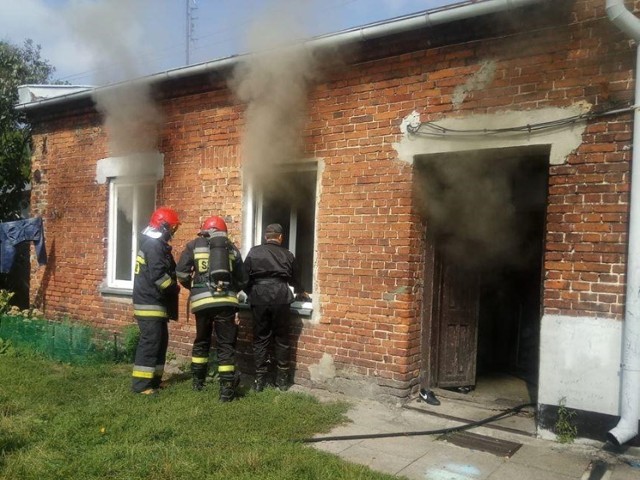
<point x="199" y="374"/>
<point x="156" y="383"/>
<point x="227" y="388"/>
<point x="282" y="379"/>
<point x="260" y="381"/>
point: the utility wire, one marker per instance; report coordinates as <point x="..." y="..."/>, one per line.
<point x="433" y="129"/>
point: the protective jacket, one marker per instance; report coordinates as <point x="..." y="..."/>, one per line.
<point x="212" y="268"/>
<point x="155" y="286"/>
<point x="271" y="269"/>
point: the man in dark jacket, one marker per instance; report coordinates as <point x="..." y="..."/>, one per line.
<point x="271" y="268"/>
<point x="211" y="268"/>
<point x="155" y="299"/>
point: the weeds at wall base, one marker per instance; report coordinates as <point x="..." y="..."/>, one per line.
<point x="565" y="430"/>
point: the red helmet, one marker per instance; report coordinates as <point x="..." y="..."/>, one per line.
<point x="213" y="224"/>
<point x="165" y="219"/>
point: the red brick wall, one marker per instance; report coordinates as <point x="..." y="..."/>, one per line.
<point x="370" y="249"/>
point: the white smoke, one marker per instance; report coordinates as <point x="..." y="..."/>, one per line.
<point x="273" y="82"/>
<point x="109" y="30"/>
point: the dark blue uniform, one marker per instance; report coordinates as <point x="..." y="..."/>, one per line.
<point x="271" y="268"/>
<point x="155" y="302"/>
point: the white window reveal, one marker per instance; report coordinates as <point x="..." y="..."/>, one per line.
<point x="132" y="193"/>
<point x="289" y="200"/>
<point x="131" y="203"/>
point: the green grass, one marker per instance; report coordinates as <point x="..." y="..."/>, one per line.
<point x="60" y="421"/>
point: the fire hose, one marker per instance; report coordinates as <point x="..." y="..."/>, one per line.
<point x="441" y="431"/>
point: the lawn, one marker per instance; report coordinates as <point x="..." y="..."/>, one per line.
<point x="60" y="421"/>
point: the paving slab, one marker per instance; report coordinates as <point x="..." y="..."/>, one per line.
<point x="376" y="459"/>
<point x="408" y="451"/>
<point x="515" y="471"/>
<point x="551" y="458"/>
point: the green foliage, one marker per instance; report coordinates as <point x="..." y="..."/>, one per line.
<point x="5" y="301"/>
<point x="5" y="347"/>
<point x="82" y="422"/>
<point x="18" y="66"/>
<point x="131" y="337"/>
<point x="565" y="430"/>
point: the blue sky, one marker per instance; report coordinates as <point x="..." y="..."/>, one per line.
<point x="100" y="41"/>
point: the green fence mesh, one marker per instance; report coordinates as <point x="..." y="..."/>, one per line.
<point x="66" y="342"/>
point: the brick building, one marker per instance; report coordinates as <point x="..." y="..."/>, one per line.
<point x="456" y="184"/>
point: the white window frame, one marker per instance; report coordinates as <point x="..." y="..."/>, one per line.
<point x="114" y="185"/>
<point x="257" y="225"/>
<point x="253" y="235"/>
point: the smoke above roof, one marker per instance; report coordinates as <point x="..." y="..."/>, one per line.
<point x="274" y="82"/>
<point x="109" y="30"/>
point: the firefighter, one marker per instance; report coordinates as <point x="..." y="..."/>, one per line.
<point x="211" y="267"/>
<point x="155" y="299"/>
<point x="271" y="268"/>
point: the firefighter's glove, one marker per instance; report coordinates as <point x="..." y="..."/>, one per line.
<point x="303" y="297"/>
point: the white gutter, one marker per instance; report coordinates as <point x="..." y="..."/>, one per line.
<point x="429" y="18"/>
<point x="627" y="427"/>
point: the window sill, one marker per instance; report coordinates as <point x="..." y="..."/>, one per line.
<point x="303" y="309"/>
<point x="118" y="292"/>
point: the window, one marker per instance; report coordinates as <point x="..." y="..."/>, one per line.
<point x="290" y="200"/>
<point x="131" y="203"/>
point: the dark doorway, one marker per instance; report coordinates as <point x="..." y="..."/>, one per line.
<point x="485" y="221"/>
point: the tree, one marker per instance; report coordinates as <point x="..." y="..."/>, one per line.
<point x="18" y="66"/>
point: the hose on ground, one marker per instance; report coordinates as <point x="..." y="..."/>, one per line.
<point x="441" y="431"/>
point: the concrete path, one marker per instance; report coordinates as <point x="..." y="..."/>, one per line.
<point x="487" y="452"/>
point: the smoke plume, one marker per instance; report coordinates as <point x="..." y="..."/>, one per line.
<point x="108" y="29"/>
<point x="273" y="82"/>
<point x="469" y="208"/>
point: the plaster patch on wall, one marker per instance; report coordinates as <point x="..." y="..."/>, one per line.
<point x="324" y="370"/>
<point x="563" y="140"/>
<point x="477" y="81"/>
<point x="134" y="165"/>
<point x="412" y="120"/>
<point x="580" y="361"/>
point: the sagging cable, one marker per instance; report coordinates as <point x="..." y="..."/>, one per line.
<point x="506" y="413"/>
<point x="433" y="129"/>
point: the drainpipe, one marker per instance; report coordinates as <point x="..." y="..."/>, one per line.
<point x="627" y="427"/>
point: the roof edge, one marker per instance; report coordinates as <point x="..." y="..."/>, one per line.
<point x="427" y="18"/>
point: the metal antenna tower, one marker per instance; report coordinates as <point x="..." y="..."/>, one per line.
<point x="190" y="7"/>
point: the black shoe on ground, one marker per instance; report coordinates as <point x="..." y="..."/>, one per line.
<point x="428" y="396"/>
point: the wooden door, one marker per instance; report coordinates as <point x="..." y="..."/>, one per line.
<point x="456" y="313"/>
